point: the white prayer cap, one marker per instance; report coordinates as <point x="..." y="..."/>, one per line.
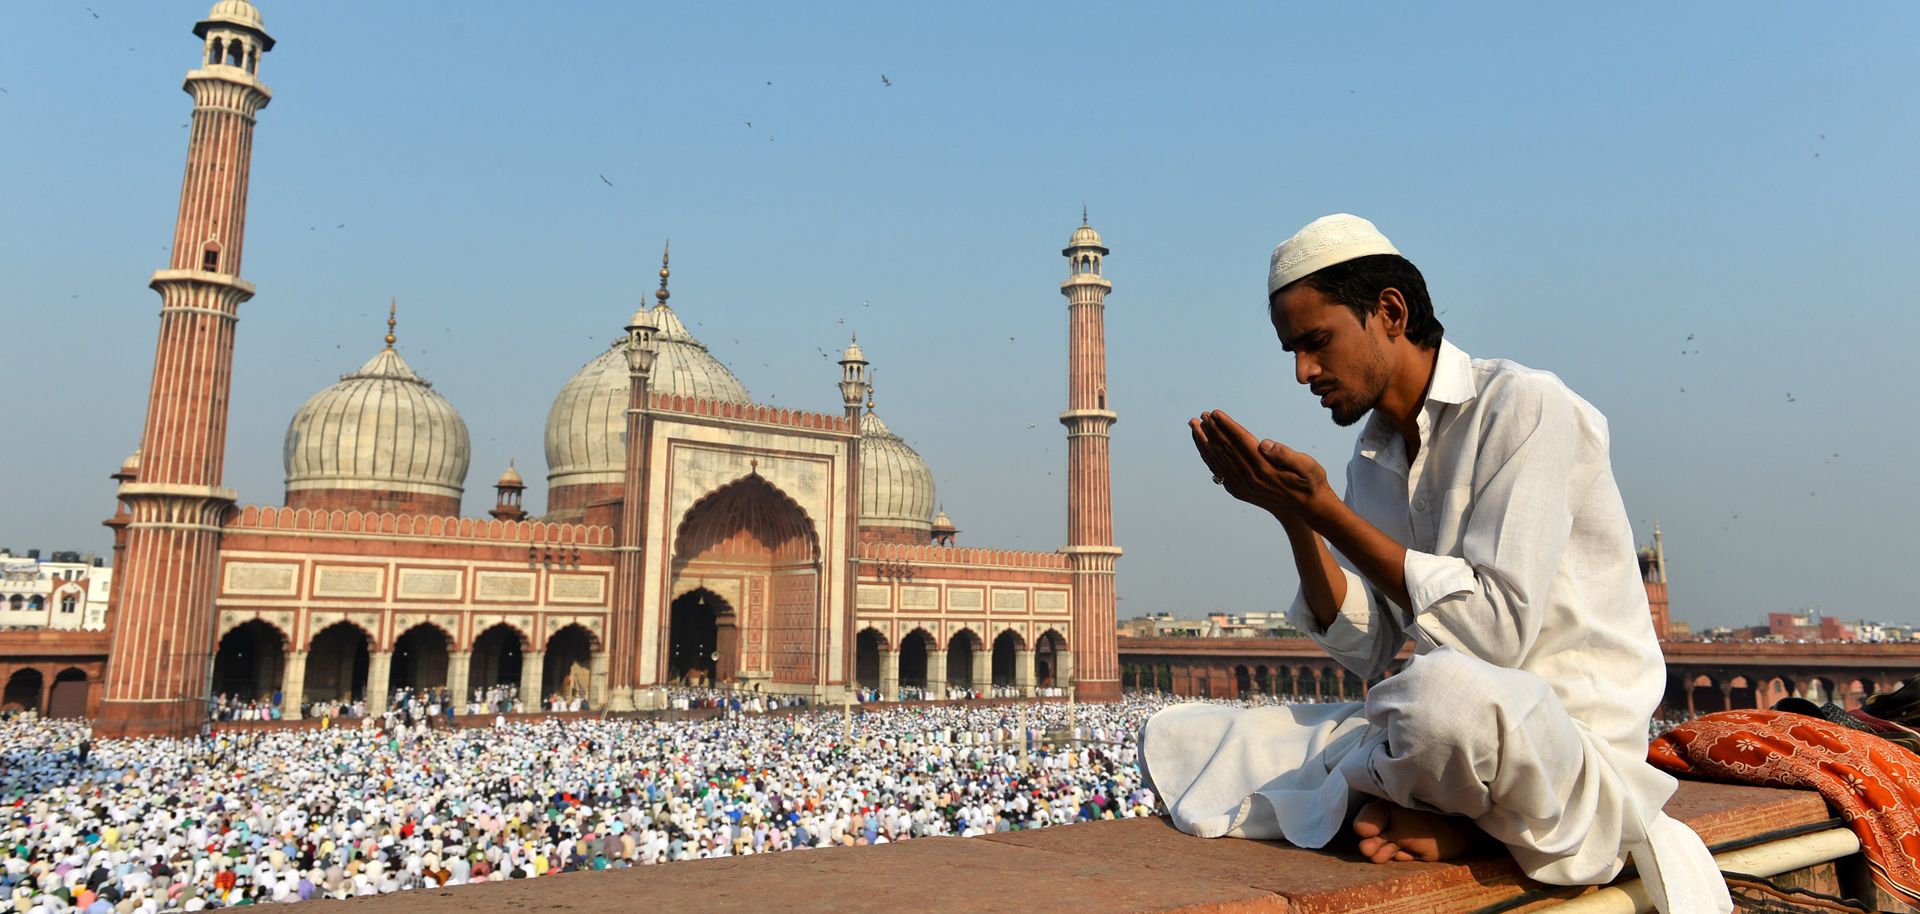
<point x="1324" y="242"/>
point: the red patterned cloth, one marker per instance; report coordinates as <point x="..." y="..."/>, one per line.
<point x="1874" y="784"/>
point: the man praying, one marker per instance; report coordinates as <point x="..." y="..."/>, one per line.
<point x="1481" y="522"/>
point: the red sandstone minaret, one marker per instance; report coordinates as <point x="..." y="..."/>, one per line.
<point x="1653" y="571"/>
<point x="163" y="614"/>
<point x="1090" y="550"/>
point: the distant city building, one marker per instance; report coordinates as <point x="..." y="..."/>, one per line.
<point x="66" y="591"/>
<point x="1810" y="625"/>
<point x="1215" y="625"/>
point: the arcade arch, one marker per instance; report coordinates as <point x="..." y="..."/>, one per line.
<point x="68" y="697"/>
<point x="497" y="657"/>
<point x="568" y="665"/>
<point x="1048" y="650"/>
<point x="250" y="663"/>
<point x="961" y="659"/>
<point x="337" y="664"/>
<point x="420" y="658"/>
<point x="23" y="690"/>
<point x="868" y="646"/>
<point x="915" y="650"/>
<point x="1006" y="658"/>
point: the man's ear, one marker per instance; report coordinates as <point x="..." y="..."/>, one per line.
<point x="1393" y="313"/>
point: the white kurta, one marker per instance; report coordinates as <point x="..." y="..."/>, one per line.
<point x="1537" y="667"/>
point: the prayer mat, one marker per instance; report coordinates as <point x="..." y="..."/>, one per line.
<point x="1872" y="783"/>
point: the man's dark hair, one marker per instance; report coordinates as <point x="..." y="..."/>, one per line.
<point x="1357" y="283"/>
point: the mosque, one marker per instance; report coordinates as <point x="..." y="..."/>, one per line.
<point x="692" y="534"/>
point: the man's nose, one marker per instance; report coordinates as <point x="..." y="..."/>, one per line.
<point x="1305" y="368"/>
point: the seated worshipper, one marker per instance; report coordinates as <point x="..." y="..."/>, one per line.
<point x="1481" y="521"/>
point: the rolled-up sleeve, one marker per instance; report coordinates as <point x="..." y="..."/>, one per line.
<point x="1489" y="602"/>
<point x="1365" y="633"/>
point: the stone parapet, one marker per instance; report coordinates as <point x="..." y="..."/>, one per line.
<point x="751" y="412"/>
<point x="478" y="530"/>
<point x="960" y="555"/>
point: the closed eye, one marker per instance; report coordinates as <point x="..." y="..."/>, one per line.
<point x="1311" y="343"/>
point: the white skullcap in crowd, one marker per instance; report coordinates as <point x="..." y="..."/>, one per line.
<point x="1324" y="242"/>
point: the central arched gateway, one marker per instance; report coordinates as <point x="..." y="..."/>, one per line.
<point x="746" y="588"/>
<point x="693" y="639"/>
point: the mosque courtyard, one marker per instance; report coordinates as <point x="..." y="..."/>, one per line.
<point x="376" y="806"/>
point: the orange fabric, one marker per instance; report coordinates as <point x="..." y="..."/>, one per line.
<point x="1872" y="783"/>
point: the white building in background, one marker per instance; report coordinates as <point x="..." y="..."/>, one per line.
<point x="67" y="591"/>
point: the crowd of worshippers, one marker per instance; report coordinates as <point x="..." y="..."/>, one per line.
<point x="255" y="816"/>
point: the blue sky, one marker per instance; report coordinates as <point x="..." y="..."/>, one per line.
<point x="1585" y="188"/>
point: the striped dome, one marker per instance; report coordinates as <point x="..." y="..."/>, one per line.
<point x="896" y="488"/>
<point x="587" y="426"/>
<point x="382" y="428"/>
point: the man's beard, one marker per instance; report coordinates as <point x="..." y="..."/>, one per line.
<point x="1345" y="414"/>
<point x="1348" y="412"/>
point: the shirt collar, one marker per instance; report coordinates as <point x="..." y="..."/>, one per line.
<point x="1452" y="383"/>
<point x="1452" y="376"/>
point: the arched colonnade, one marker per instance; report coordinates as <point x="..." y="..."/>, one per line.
<point x="964" y="660"/>
<point x="342" y="664"/>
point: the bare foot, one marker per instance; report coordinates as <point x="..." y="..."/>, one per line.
<point x="1389" y="832"/>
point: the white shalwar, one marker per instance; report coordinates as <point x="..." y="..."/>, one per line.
<point x="1536" y="668"/>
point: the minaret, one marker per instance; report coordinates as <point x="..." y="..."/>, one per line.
<point x="629" y="570"/>
<point x="163" y="622"/>
<point x="1654" y="572"/>
<point x="856" y="385"/>
<point x="1095" y="669"/>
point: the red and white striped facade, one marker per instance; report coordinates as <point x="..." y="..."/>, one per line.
<point x="1089" y="423"/>
<point x="162" y="634"/>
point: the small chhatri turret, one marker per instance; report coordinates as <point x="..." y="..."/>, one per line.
<point x="507" y="494"/>
<point x="943" y="529"/>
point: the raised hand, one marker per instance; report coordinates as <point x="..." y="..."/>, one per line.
<point x="1264" y="473"/>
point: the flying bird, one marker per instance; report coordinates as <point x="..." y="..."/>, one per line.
<point x="603" y="180"/>
<point x="90" y="10"/>
<point x="884" y="80"/>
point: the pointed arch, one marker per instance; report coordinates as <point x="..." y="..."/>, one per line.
<point x="744" y="514"/>
<point x="751" y="530"/>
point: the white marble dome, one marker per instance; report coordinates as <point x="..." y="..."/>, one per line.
<point x="896" y="488"/>
<point x="382" y="428"/>
<point x="587" y="426"/>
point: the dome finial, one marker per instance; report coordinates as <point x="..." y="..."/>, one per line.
<point x="1083" y="214"/>
<point x="872" y="374"/>
<point x="392" y="307"/>
<point x="661" y="294"/>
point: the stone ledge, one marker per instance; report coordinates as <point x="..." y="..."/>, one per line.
<point x="1136" y="865"/>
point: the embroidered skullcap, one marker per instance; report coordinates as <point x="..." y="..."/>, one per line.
<point x="1324" y="242"/>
